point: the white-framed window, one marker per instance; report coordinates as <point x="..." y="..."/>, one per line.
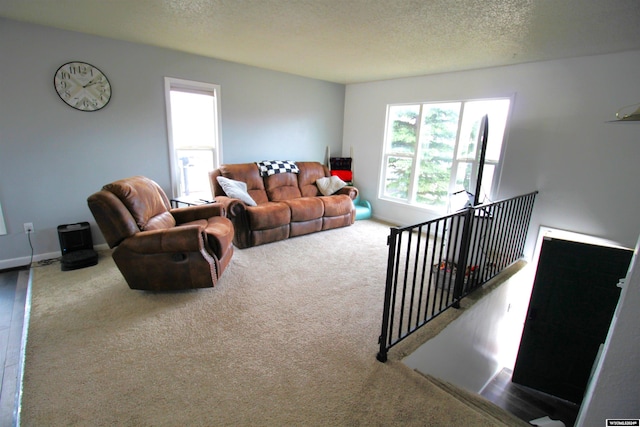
<point x="431" y="154"/>
<point x="193" y="121"/>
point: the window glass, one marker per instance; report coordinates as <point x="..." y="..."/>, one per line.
<point x="437" y="144"/>
<point x="463" y="175"/>
<point x="403" y="135"/>
<point x="192" y="118"/>
<point x="194" y="165"/>
<point x="193" y="121"/>
<point x="431" y="151"/>
<point x="397" y="177"/>
<point x="497" y="110"/>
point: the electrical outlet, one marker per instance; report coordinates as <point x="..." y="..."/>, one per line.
<point x="28" y="227"/>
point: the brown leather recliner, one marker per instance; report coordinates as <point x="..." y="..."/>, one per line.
<point x="158" y="248"/>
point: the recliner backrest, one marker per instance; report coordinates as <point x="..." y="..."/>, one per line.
<point x="309" y="173"/>
<point x="147" y="202"/>
<point x="125" y="207"/>
<point x="282" y="186"/>
<point x="245" y="172"/>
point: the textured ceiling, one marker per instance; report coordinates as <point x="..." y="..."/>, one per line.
<point x="349" y="41"/>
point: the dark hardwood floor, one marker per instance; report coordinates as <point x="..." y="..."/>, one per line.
<point x="14" y="285"/>
<point x="526" y="403"/>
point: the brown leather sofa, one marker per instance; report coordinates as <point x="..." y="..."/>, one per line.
<point x="286" y="204"/>
<point x="158" y="248"/>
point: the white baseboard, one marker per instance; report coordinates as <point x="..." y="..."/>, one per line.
<point x="24" y="261"/>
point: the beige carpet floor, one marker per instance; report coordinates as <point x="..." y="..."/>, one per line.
<point x="287" y="338"/>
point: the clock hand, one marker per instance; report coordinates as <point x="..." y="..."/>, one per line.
<point x="92" y="82"/>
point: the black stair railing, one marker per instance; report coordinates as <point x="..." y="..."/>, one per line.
<point x="433" y="265"/>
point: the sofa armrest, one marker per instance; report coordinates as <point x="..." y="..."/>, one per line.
<point x="188" y="238"/>
<point x="223" y="201"/>
<point x="349" y="190"/>
<point x="233" y="207"/>
<point x="193" y="213"/>
<point x="236" y="211"/>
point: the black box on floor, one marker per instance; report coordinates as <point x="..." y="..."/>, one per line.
<point x="76" y="245"/>
<point x="78" y="259"/>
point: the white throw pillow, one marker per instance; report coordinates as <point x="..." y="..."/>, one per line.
<point x="236" y="190"/>
<point x="329" y="185"/>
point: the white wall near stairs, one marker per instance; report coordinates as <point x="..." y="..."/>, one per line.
<point x="473" y="348"/>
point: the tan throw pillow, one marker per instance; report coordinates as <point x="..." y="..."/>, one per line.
<point x="329" y="185"/>
<point x="236" y="190"/>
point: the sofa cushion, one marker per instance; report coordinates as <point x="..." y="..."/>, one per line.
<point x="330" y="185"/>
<point x="268" y="215"/>
<point x="309" y="173"/>
<point x="250" y="175"/>
<point x="336" y="205"/>
<point x="236" y="189"/>
<point x="282" y="186"/>
<point x="305" y="208"/>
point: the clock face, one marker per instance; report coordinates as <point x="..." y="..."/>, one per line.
<point x="82" y="86"/>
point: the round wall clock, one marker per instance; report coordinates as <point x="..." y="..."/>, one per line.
<point x="82" y="86"/>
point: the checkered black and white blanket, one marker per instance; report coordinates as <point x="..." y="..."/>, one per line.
<point x="272" y="167"/>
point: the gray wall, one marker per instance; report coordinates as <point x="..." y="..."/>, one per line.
<point x="473" y="348"/>
<point x="52" y="157"/>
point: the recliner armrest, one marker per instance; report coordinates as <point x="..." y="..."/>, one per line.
<point x="193" y="213"/>
<point x="187" y="238"/>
